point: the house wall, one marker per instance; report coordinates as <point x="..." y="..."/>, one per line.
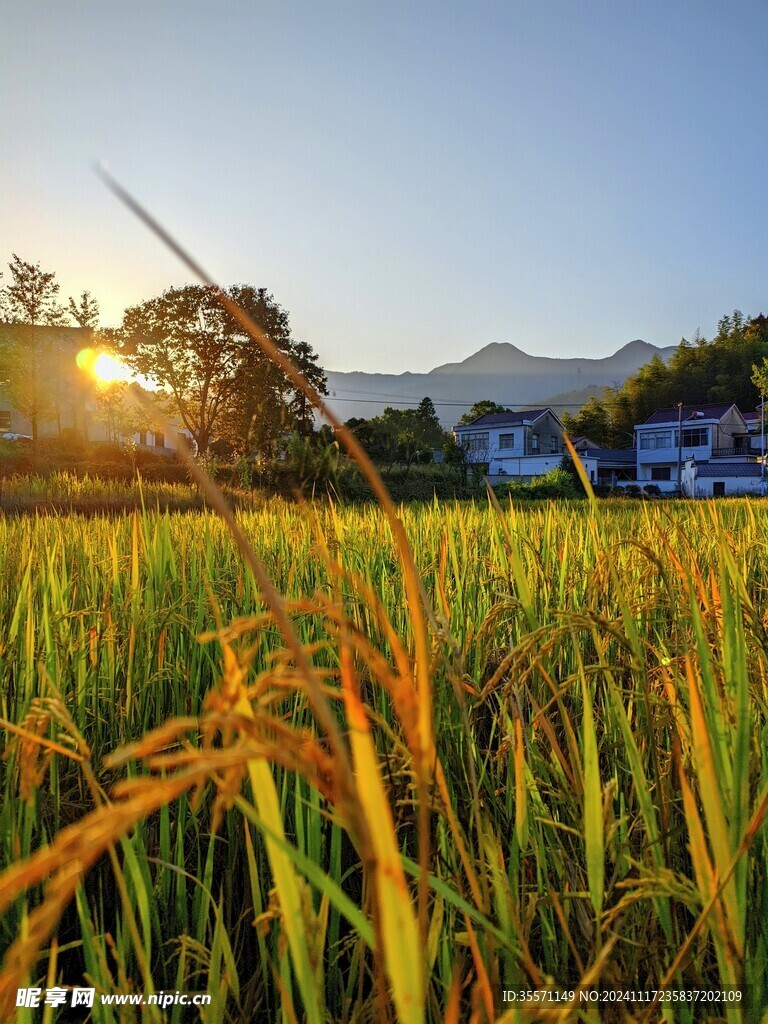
<point x="667" y="455"/>
<point x="731" y="424"/>
<point x="17" y="425"/>
<point x="704" y="487"/>
<point x="523" y="468"/>
<point x="66" y="388"/>
<point x="68" y="418"/>
<point x="550" y="433"/>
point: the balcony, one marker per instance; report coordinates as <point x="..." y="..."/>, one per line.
<point x="739" y="452"/>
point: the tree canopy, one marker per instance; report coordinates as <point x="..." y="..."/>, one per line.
<point x="484" y="407"/>
<point x="216" y="376"/>
<point x="401" y="435"/>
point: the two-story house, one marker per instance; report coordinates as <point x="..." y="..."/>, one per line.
<point x="716" y="434"/>
<point x="522" y="445"/>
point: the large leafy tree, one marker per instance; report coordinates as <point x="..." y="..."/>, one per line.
<point x="215" y="375"/>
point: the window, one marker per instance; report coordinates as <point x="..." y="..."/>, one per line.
<point x="718" y="488"/>
<point x="659" y="440"/>
<point x="696" y="437"/>
<point x="159" y="439"/>
<point x="534" y="442"/>
<point x="506" y="440"/>
<point x="476" y="442"/>
<point x="5" y="420"/>
<point x="142" y="437"/>
<point x="661" y="473"/>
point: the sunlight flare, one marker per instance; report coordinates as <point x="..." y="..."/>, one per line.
<point x="104" y="367"/>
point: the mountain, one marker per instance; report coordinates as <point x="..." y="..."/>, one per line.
<point x="499" y="371"/>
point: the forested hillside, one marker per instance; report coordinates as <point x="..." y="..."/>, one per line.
<point x="700" y="370"/>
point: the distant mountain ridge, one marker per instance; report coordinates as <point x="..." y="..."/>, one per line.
<point x="499" y="371"/>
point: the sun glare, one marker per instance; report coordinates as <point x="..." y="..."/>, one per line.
<point x="104" y="367"/>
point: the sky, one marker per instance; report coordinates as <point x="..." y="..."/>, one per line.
<point x="411" y="181"/>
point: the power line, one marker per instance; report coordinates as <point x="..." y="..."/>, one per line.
<point x="414" y="403"/>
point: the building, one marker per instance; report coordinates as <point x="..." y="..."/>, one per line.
<point x="718" y="479"/>
<point x="521" y="445"/>
<point x="710" y="434"/>
<point x="56" y="385"/>
<point x="68" y="395"/>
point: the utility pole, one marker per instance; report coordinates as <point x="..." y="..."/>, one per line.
<point x="679" y="447"/>
<point x="762" y="443"/>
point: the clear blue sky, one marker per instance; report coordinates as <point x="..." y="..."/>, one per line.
<point x="410" y="180"/>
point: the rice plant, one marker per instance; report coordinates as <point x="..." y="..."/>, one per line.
<point x="594" y="757"/>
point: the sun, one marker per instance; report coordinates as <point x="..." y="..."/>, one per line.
<point x="104" y="367"/>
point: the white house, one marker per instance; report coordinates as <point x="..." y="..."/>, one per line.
<point x="718" y="479"/>
<point x="527" y="444"/>
<point x="522" y="445"/>
<point x="716" y="434"/>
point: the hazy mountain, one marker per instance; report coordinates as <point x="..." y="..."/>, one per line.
<point x="572" y="401"/>
<point x="501" y="372"/>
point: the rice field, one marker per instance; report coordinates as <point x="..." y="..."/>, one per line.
<point x="538" y="759"/>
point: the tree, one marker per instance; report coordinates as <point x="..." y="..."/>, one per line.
<point x="427" y="427"/>
<point x="265" y="405"/>
<point x="456" y="456"/>
<point x="32" y="361"/>
<point x="404" y="436"/>
<point x="118" y="410"/>
<point x="760" y="380"/>
<point x="593" y="421"/>
<point x="32" y="298"/>
<point x="483" y="408"/>
<point x="86" y="312"/>
<point x="305" y="360"/>
<point x="215" y="375"/>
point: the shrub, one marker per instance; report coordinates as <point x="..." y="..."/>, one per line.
<point x="557" y="483"/>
